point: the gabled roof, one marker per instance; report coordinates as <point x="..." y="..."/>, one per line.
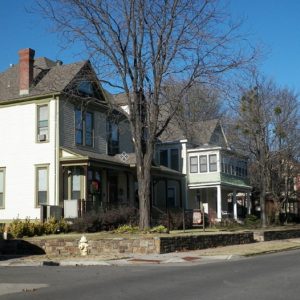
<point x="197" y="133"/>
<point x="49" y="77"/>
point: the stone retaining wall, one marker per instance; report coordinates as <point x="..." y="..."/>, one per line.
<point x="281" y="234"/>
<point x="182" y="243"/>
<point x="149" y="245"/>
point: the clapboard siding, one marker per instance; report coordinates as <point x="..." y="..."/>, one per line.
<point x="67" y="129"/>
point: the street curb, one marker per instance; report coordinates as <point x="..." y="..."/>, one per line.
<point x="272" y="251"/>
<point x="138" y="261"/>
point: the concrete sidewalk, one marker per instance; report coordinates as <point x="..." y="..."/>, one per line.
<point x="188" y="257"/>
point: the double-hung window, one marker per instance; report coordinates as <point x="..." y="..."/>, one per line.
<point x="163" y="157"/>
<point x="2" y="187"/>
<point x="78" y="127"/>
<point x="174" y="159"/>
<point x="89" y="129"/>
<point x="43" y="123"/>
<point x="42" y="179"/>
<point x="213" y="163"/>
<point x="203" y="163"/>
<point x="112" y="138"/>
<point x="84" y="128"/>
<point x="194" y="164"/>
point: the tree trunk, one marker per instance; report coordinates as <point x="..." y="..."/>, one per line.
<point x="144" y="179"/>
<point x="262" y="203"/>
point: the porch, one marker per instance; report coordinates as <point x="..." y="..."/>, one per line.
<point x="220" y="201"/>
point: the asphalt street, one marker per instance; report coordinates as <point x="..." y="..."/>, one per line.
<point x="272" y="276"/>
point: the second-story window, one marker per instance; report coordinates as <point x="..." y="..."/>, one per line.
<point x="174" y="159"/>
<point x="203" y="163"/>
<point x="163" y="157"/>
<point x="213" y="163"/>
<point x="89" y="129"/>
<point x="194" y="164"/>
<point x="169" y="158"/>
<point x="78" y="127"/>
<point x="112" y="138"/>
<point x="42" y="123"/>
<point x="84" y="128"/>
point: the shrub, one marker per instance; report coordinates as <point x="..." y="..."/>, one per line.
<point x="127" y="229"/>
<point x="252" y="221"/>
<point x="113" y="218"/>
<point x="88" y="223"/>
<point x="106" y="220"/>
<point x="19" y="229"/>
<point x="159" y="229"/>
<point x="174" y="219"/>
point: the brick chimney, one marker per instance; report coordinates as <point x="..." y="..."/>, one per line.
<point x="26" y="59"/>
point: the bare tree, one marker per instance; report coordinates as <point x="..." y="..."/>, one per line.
<point x="265" y="128"/>
<point x="141" y="46"/>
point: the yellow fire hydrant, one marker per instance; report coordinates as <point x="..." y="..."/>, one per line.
<point x="83" y="246"/>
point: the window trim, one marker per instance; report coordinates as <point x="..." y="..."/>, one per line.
<point x="37" y="168"/>
<point x="37" y="123"/>
<point x="92" y="131"/>
<point x="83" y="128"/>
<point x="3" y="169"/>
<point x="75" y="126"/>
<point x="196" y="164"/>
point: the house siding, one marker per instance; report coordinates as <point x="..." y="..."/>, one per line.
<point x="67" y="129"/>
<point x="20" y="153"/>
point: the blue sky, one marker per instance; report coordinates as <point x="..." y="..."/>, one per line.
<point x="273" y="23"/>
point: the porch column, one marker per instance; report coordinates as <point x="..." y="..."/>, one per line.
<point x="234" y="205"/>
<point x="219" y="203"/>
<point x="85" y="180"/>
<point x="248" y="203"/>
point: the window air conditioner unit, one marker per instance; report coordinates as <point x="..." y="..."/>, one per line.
<point x="42" y="137"/>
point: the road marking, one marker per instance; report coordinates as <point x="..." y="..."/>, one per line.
<point x="11" y="288"/>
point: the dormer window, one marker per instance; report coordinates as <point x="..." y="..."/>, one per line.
<point x="43" y="123"/>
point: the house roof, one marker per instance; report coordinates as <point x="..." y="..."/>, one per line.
<point x="122" y="160"/>
<point x="199" y="133"/>
<point x="90" y="155"/>
<point x="120" y="99"/>
<point x="48" y="77"/>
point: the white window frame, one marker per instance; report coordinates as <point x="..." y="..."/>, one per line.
<point x="206" y="171"/>
<point x="196" y="164"/>
<point x="38" y="106"/>
<point x="3" y="170"/>
<point x="210" y="164"/>
<point x="37" y="168"/>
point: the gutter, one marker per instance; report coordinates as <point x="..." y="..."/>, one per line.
<point x="25" y="99"/>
